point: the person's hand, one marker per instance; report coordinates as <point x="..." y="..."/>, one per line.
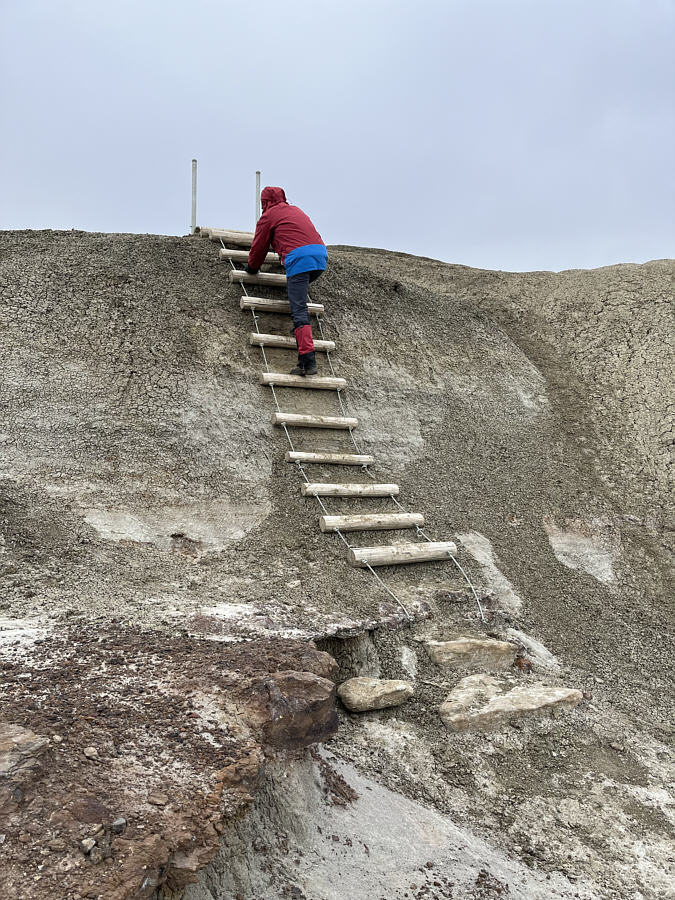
<point x="250" y="271"/>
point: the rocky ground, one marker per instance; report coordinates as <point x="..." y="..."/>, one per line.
<point x="167" y="600"/>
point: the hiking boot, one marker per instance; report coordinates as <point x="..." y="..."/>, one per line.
<point x="298" y="370"/>
<point x="308" y="360"/>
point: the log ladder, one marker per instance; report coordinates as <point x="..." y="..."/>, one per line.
<point x="234" y="249"/>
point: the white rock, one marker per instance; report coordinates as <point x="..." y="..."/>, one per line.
<point x="481" y="702"/>
<point x="361" y="694"/>
<point x="540" y="657"/>
<point x="465" y="652"/>
<point x="409" y="661"/>
<point x="87" y="845"/>
<point x="590" y="546"/>
<point x="480" y="548"/>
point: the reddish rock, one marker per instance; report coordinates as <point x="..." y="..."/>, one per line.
<point x="292" y="709"/>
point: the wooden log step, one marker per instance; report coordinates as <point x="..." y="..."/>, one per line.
<point x="332" y="489"/>
<point x="238" y="276"/>
<point x="371" y="522"/>
<point x="272" y="259"/>
<point x="237" y="238"/>
<point x="208" y="230"/>
<point x="330" y="459"/>
<point x="400" y="554"/>
<point x="276" y="306"/>
<point x="297" y="420"/>
<point x="309" y="382"/>
<point x="283" y="342"/>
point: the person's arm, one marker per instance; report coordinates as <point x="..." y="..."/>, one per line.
<point x="261" y="242"/>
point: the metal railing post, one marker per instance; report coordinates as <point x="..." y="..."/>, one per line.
<point x="257" y="196"/>
<point x="193" y="218"/>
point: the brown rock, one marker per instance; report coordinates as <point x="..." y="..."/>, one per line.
<point x="241" y="777"/>
<point x="158" y="799"/>
<point x="56" y="844"/>
<point x="293" y="709"/>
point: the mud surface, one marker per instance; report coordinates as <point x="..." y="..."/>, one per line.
<point x="144" y="500"/>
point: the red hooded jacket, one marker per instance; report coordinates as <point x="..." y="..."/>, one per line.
<point x="283" y="226"/>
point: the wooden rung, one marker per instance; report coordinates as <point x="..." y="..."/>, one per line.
<point x="262" y="304"/>
<point x="207" y="230"/>
<point x="272" y="259"/>
<point x="238" y="276"/>
<point x="371" y="522"/>
<point x="238" y="238"/>
<point x="296" y="420"/>
<point x="330" y="459"/>
<point x="331" y="489"/>
<point x="316" y="382"/>
<point x="280" y="340"/>
<point x="400" y="554"/>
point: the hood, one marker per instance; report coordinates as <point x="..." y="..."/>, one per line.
<point x="271" y="196"/>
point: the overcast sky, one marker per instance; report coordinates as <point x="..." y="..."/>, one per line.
<point x="505" y="134"/>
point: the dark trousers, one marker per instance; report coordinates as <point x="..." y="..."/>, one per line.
<point x="298" y="288"/>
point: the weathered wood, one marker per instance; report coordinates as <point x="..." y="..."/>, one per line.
<point x="400" y="554"/>
<point x="297" y="420"/>
<point x="371" y="522"/>
<point x="283" y="342"/>
<point x="309" y="382"/>
<point x="276" y="306"/>
<point x="237" y="238"/>
<point x="208" y="230"/>
<point x="330" y="459"/>
<point x="238" y="276"/>
<point x="272" y="259"/>
<point x="332" y="489"/>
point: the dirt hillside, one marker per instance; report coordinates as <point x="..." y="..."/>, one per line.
<point x="167" y="598"/>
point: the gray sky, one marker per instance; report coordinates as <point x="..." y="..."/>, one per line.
<point x="512" y="134"/>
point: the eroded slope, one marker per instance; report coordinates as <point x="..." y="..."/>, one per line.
<point x="144" y="490"/>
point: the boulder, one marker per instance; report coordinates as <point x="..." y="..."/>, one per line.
<point x="362" y="694"/>
<point x="292" y="709"/>
<point x="469" y="652"/>
<point x="481" y="702"/>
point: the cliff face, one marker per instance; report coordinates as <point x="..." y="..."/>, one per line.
<point x="144" y="499"/>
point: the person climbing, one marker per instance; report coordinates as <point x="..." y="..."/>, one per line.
<point x="303" y="254"/>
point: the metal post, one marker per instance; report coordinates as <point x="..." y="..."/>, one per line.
<point x="257" y="196"/>
<point x="193" y="219"/>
